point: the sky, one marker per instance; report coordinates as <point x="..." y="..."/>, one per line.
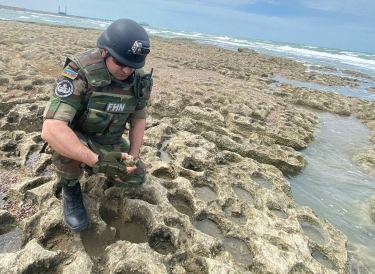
<point x="342" y="24"/>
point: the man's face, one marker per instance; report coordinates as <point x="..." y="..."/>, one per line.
<point x="115" y="68"/>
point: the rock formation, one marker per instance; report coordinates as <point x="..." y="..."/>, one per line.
<point x="218" y="143"/>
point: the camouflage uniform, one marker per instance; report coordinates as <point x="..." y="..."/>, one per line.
<point x="96" y="106"/>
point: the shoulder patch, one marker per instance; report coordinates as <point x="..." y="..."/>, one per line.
<point x="64" y="88"/>
<point x="71" y="74"/>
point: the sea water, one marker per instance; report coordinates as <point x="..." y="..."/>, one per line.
<point x="331" y="184"/>
<point x="336" y="188"/>
<point x="341" y="59"/>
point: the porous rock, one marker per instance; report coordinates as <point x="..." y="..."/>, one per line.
<point x="217" y="147"/>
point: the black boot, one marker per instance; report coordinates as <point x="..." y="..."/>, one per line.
<point x="75" y="214"/>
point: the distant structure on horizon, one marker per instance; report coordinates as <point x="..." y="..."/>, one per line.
<point x="61" y="12"/>
<point x="76" y="16"/>
<point x="144" y="24"/>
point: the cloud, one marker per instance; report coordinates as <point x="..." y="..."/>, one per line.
<point x="333" y="23"/>
<point x="350" y="7"/>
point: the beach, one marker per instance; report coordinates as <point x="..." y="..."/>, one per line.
<point x="221" y="135"/>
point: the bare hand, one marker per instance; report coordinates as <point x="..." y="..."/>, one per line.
<point x="129" y="168"/>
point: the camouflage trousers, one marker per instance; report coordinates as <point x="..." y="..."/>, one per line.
<point x="70" y="171"/>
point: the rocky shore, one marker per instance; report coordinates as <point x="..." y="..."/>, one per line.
<point x="218" y="143"/>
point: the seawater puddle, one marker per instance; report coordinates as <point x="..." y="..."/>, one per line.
<point x="126" y="231"/>
<point x="262" y="182"/>
<point x="236" y="247"/>
<point x="361" y="80"/>
<point x="359" y="92"/>
<point x="208" y="227"/>
<point x="234" y="216"/>
<point x="11" y="241"/>
<point x="336" y="188"/>
<point x="163" y="153"/>
<point x="316" y="234"/>
<point x="239" y="250"/>
<point x="181" y="204"/>
<point x="243" y="194"/>
<point x="323" y="260"/>
<point x="205" y="193"/>
<point x="32" y="159"/>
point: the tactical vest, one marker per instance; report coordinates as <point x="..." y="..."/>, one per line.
<point x="108" y="104"/>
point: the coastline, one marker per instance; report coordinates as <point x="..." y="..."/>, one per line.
<point x="51" y="13"/>
<point x="24" y="9"/>
<point x="204" y="97"/>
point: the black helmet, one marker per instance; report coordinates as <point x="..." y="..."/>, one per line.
<point x="127" y="42"/>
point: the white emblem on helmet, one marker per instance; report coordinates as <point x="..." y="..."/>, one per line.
<point x="64" y="88"/>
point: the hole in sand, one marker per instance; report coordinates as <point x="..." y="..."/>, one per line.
<point x="239" y="250"/>
<point x="181" y="204"/>
<point x="131" y="231"/>
<point x="205" y="193"/>
<point x="161" y="242"/>
<point x="243" y="194"/>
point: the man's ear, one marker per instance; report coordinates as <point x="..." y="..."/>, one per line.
<point x="104" y="53"/>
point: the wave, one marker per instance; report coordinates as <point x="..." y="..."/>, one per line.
<point x="342" y="59"/>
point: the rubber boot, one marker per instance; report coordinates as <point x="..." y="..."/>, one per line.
<point x="75" y="214"/>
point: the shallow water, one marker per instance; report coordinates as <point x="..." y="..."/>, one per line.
<point x="205" y="193"/>
<point x="236" y="247"/>
<point x="164" y="155"/>
<point x="336" y="188"/>
<point x="243" y="194"/>
<point x="11" y="241"/>
<point x="359" y="92"/>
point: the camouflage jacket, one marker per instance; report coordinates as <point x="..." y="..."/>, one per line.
<point x="93" y="102"/>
